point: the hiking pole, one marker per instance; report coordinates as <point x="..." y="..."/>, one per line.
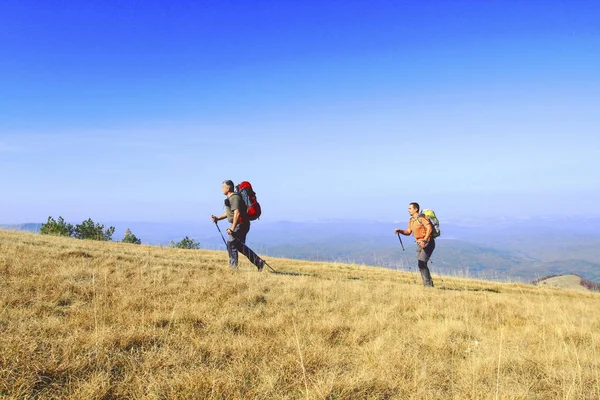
<point x="441" y="277"/>
<point x="243" y="244"/>
<point x="266" y="263"/>
<point x="400" y="239"/>
<point x="406" y="259"/>
<point x="222" y="237"/>
<point x="257" y="256"/>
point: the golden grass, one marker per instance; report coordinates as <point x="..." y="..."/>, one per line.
<point x="93" y="320"/>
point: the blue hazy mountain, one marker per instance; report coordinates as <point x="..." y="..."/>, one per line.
<point x="517" y="248"/>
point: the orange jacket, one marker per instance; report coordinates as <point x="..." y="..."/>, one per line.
<point x="418" y="226"/>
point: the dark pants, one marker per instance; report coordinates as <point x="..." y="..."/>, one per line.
<point x="423" y="255"/>
<point x="236" y="243"/>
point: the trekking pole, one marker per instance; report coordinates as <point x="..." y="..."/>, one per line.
<point x="243" y="244"/>
<point x="222" y="237"/>
<point x="257" y="256"/>
<point x="267" y="264"/>
<point x="441" y="277"/>
<point x="406" y="259"/>
<point x="400" y="239"/>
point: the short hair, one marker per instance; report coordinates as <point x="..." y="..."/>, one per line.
<point x="229" y="184"/>
<point x="415" y="205"/>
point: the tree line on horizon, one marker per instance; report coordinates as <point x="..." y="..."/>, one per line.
<point x="89" y="230"/>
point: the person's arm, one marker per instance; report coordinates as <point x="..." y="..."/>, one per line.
<point x="405" y="232"/>
<point x="220" y="217"/>
<point x="236" y="217"/>
<point x="428" y="229"/>
<point x="234" y="201"/>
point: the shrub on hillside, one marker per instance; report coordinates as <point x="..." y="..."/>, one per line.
<point x="92" y="231"/>
<point x="130" y="238"/>
<point x="586" y="283"/>
<point x="590" y="285"/>
<point x="56" y="228"/>
<point x="185" y="243"/>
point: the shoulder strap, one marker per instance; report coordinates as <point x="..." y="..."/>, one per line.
<point x="424" y="216"/>
<point x="243" y="205"/>
<point x="243" y="209"/>
<point x="234" y="194"/>
<point x="418" y="220"/>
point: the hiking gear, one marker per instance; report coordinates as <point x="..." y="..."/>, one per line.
<point x="262" y="262"/>
<point x="430" y="263"/>
<point x="235" y="202"/>
<point x="406" y="259"/>
<point x="222" y="237"/>
<point x="400" y="239"/>
<point x="237" y="236"/>
<point x="435" y="223"/>
<point x="249" y="196"/>
<point x="247" y="251"/>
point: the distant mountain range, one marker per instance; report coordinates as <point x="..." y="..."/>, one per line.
<point x="520" y="249"/>
<point x="29" y="227"/>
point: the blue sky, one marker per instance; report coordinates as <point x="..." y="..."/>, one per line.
<point x="136" y="111"/>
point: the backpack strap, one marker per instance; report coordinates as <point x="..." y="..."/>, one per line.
<point x="433" y="231"/>
<point x="243" y="215"/>
<point x="419" y="221"/>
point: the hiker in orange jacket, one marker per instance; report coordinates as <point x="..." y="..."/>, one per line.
<point x="420" y="226"/>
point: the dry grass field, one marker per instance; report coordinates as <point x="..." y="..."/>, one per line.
<point x="94" y="320"/>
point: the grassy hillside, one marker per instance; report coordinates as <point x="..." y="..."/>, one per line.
<point x="513" y="250"/>
<point x="88" y="320"/>
<point x="572" y="282"/>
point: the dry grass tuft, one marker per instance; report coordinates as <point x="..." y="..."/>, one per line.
<point x="83" y="320"/>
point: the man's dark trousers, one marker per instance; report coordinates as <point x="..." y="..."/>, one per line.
<point x="423" y="255"/>
<point x="236" y="243"/>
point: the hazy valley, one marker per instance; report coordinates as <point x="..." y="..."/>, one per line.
<point x="504" y="249"/>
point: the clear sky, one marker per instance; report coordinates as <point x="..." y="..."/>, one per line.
<point x="136" y="111"/>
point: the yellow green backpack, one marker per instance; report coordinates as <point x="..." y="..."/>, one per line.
<point x="435" y="223"/>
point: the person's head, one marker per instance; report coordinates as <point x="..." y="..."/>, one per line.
<point x="413" y="208"/>
<point x="227" y="187"/>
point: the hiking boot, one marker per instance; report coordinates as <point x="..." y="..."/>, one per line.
<point x="261" y="266"/>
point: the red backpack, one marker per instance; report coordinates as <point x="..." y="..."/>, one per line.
<point x="249" y="197"/>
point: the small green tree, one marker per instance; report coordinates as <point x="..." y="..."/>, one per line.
<point x="56" y="228"/>
<point x="130" y="238"/>
<point x="185" y="243"/>
<point x="92" y="231"/>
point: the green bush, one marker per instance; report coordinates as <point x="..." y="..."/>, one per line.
<point x="130" y="238"/>
<point x="56" y="228"/>
<point x="91" y="231"/>
<point x="185" y="243"/>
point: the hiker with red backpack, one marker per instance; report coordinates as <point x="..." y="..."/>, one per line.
<point x="236" y="212"/>
<point x="424" y="232"/>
